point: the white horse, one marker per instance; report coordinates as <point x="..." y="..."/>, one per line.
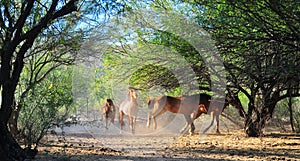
<point x="130" y="108"/>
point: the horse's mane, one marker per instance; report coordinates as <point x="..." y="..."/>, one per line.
<point x="109" y="101"/>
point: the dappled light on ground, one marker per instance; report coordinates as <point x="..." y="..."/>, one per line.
<point x="97" y="143"/>
<point x="235" y="146"/>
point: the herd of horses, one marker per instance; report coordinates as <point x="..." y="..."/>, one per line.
<point x="191" y="107"/>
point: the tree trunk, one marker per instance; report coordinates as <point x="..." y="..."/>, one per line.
<point x="255" y="121"/>
<point x="291" y="113"/>
<point x="13" y="122"/>
<point x="251" y="129"/>
<point x="255" y="125"/>
<point x="257" y="117"/>
<point x="251" y="123"/>
<point x="10" y="150"/>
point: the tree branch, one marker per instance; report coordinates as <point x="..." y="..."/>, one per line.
<point x="288" y="95"/>
<point x="8" y="16"/>
<point x="22" y="19"/>
<point x="50" y="16"/>
<point x="2" y="24"/>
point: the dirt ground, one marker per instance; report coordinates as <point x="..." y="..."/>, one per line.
<point x="92" y="142"/>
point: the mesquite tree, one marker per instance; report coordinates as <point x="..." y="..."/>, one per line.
<point x="260" y="44"/>
<point x="21" y="22"/>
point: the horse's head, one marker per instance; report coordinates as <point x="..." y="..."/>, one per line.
<point x="150" y="103"/>
<point x="132" y="94"/>
<point x="109" y="102"/>
<point x="202" y="108"/>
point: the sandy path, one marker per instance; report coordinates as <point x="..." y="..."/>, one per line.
<point x="111" y="143"/>
<point x="91" y="142"/>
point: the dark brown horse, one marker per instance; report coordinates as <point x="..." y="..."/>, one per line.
<point x="109" y="112"/>
<point x="129" y="107"/>
<point x="185" y="105"/>
<point x="213" y="108"/>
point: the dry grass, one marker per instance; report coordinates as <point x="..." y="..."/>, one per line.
<point x="235" y="146"/>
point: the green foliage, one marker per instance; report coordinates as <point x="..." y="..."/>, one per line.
<point x="256" y="39"/>
<point x="147" y="57"/>
<point x="154" y="75"/>
<point x="283" y="114"/>
<point x="259" y="43"/>
<point x="89" y="88"/>
<point x="46" y="105"/>
<point x="184" y="49"/>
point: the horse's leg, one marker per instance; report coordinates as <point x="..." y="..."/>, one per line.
<point x="157" y="110"/>
<point x="184" y="128"/>
<point x="154" y="123"/>
<point x="189" y="122"/>
<point x="113" y="115"/>
<point x="121" y="119"/>
<point x="212" y="121"/>
<point x="197" y="113"/>
<point x="106" y="122"/>
<point x="192" y="127"/>
<point x="149" y="120"/>
<point x="130" y="120"/>
<point x="112" y="118"/>
<point x="108" y="119"/>
<point x="157" y="114"/>
<point x="218" y="120"/>
<point x="133" y="124"/>
<point x="162" y="111"/>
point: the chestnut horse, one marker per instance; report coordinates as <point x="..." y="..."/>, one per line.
<point x="109" y="112"/>
<point x="185" y="105"/>
<point x="129" y="107"/>
<point x="191" y="107"/>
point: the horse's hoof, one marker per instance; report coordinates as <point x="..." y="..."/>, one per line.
<point x="192" y="133"/>
<point x="182" y="131"/>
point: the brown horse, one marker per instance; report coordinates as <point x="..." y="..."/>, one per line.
<point x="160" y="105"/>
<point x="129" y="107"/>
<point x="109" y="112"/>
<point x="213" y="108"/>
<point x="185" y="105"/>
